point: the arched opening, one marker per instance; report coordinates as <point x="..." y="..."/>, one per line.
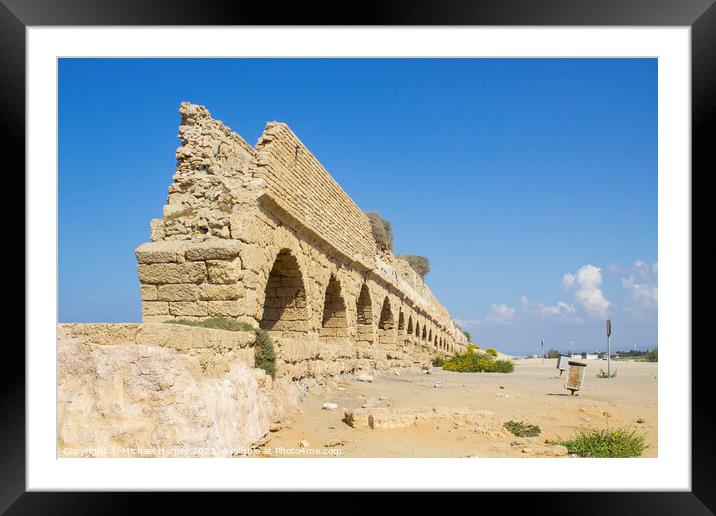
<point x="334" y="326"/>
<point x="401" y="321"/>
<point x="417" y="330"/>
<point x="386" y="325"/>
<point x="364" y="309"/>
<point x="425" y="333"/>
<point x="430" y="336"/>
<point x="285" y="308"/>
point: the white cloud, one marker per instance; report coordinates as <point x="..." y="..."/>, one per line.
<point x="559" y="309"/>
<point x="586" y="284"/>
<point x="502" y="312"/>
<point x="642" y="285"/>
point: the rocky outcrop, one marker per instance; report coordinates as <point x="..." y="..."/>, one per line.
<point x="139" y="400"/>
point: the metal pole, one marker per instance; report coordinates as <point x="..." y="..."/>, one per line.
<point x="609" y="357"/>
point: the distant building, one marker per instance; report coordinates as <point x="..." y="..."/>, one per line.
<point x="592" y="356"/>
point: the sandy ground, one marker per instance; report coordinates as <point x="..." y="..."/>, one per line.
<point x="533" y="393"/>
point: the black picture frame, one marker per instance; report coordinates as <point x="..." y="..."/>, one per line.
<point x="700" y="15"/>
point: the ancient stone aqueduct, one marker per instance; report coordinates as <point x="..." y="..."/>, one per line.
<point x="265" y="235"/>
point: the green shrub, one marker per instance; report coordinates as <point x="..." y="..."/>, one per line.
<point x="652" y="356"/>
<point x="603" y="374"/>
<point x="382" y="231"/>
<point x="522" y="429"/>
<point x="438" y="361"/>
<point x="553" y="353"/>
<point x="420" y="264"/>
<point x="491" y="351"/>
<point x="503" y="366"/>
<point x="473" y="346"/>
<point x="265" y="355"/>
<point x="471" y="362"/>
<point x="620" y="442"/>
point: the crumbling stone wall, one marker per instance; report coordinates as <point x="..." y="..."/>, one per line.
<point x="266" y="236"/>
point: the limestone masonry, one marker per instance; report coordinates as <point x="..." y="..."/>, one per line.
<point x="265" y="235"/>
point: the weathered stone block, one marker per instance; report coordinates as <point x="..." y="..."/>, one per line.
<point x="296" y="350"/>
<point x="188" y="308"/>
<point x="165" y="273"/>
<point x="223" y="308"/>
<point x="213" y="249"/>
<point x="221" y="271"/>
<point x="149" y="292"/>
<point x="249" y="279"/>
<point x="165" y="251"/>
<point x="155" y="308"/>
<point x="220" y="292"/>
<point x="102" y="333"/>
<point x="177" y="292"/>
<point x="253" y="257"/>
<point x="177" y="336"/>
<point x="156" y="230"/>
<point x="237" y="339"/>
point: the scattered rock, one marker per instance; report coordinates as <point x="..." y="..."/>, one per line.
<point x="606" y="414"/>
<point x="587" y="419"/>
<point x="364" y="378"/>
<point x="383" y="417"/>
<point x="330" y="406"/>
<point x="333" y="443"/>
<point x="303" y="444"/>
<point x="372" y="402"/>
<point x="640" y="421"/>
<point x="555" y="450"/>
<point x="438" y="385"/>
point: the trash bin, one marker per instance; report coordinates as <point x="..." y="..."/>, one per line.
<point x="562" y="364"/>
<point x="575" y="377"/>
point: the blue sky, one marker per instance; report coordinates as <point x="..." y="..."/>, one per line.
<point x="530" y="184"/>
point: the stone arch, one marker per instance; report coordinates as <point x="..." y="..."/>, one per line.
<point x="334" y="323"/>
<point x="401" y="321"/>
<point x="285" y="306"/>
<point x="364" y="316"/>
<point x="386" y="324"/>
<point x="425" y="332"/>
<point x="417" y="329"/>
<point x="430" y="336"/>
<point x="409" y="329"/>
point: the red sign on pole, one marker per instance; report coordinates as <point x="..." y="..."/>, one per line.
<point x="609" y="327"/>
